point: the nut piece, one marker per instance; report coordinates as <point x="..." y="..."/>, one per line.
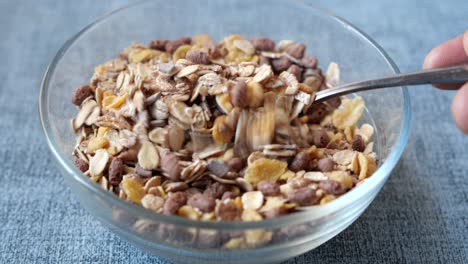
<point x="148" y="156"/>
<point x="358" y="143"/>
<point x="174" y="202"/>
<point x="300" y="162"/>
<point x="268" y="188"/>
<point x="203" y="202"/>
<point x="170" y="166"/>
<point x="239" y="94"/>
<point x="81" y="164"/>
<point x="98" y="162"/>
<point x="252" y="200"/>
<point x="302" y="196"/>
<point x="263" y="43"/>
<point x="332" y="187"/>
<point x="81" y="93"/>
<point x="198" y="57"/>
<point x="325" y="164"/>
<point x="296" y="50"/>
<point x="115" y="171"/>
<point x="152" y="202"/>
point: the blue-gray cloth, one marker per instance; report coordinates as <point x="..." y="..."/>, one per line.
<point x="421" y="216"/>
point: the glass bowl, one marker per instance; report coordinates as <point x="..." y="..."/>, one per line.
<point x="327" y="37"/>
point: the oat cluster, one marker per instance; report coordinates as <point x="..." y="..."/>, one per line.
<point x="220" y="131"/>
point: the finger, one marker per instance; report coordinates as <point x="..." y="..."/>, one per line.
<point x="452" y="52"/>
<point x="460" y="108"/>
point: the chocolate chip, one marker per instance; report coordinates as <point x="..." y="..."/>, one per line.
<point x="300" y="161"/>
<point x="171" y="46"/>
<point x="81" y="164"/>
<point x="332" y="187"/>
<point x="158" y="44"/>
<point x="198" y="57"/>
<point x="263" y="43"/>
<point x="235" y="164"/>
<point x="174" y="202"/>
<point x="81" y="93"/>
<point x="170" y="166"/>
<point x="203" y="202"/>
<point x="216" y="190"/>
<point x="302" y="196"/>
<point x="142" y="172"/>
<point x="309" y="62"/>
<point x="358" y="143"/>
<point x="296" y="71"/>
<point x="280" y="64"/>
<point x="325" y="164"/>
<point x="268" y="188"/>
<point x="321" y="138"/>
<point x="218" y="168"/>
<point x="115" y="171"/>
<point x="239" y="94"/>
<point x="296" y="50"/>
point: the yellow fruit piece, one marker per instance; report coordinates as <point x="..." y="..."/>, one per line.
<point x="287" y="175"/>
<point x="142" y="55"/>
<point x="327" y="198"/>
<point x="117" y="102"/>
<point x="255" y="59"/>
<point x="229" y="41"/>
<point x="133" y="189"/>
<point x="102" y="131"/>
<point x="108" y="93"/>
<point x="112" y="150"/>
<point x="367" y="166"/>
<point x="255" y="94"/>
<point x="221" y="132"/>
<point x="341" y="176"/>
<point x="349" y="113"/>
<point x="180" y="52"/>
<point x="349" y="134"/>
<point x="187" y="211"/>
<point x="243" y="58"/>
<point x="202" y="39"/>
<point x="235" y="243"/>
<point x="97" y="143"/>
<point x="164" y="57"/>
<point x="108" y="100"/>
<point x="265" y="169"/>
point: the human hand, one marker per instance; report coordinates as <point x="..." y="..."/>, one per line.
<point x="452" y="52"/>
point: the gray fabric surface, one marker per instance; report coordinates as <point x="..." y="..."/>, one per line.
<point x="421" y="216"/>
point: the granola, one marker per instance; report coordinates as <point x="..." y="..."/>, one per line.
<point x="220" y="131"/>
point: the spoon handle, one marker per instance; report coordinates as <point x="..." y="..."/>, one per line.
<point x="453" y="74"/>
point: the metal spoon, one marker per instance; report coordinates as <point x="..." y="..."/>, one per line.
<point x="453" y="74"/>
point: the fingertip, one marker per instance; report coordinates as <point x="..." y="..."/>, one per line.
<point x="431" y="58"/>
<point x="465" y="42"/>
<point x="460" y="108"/>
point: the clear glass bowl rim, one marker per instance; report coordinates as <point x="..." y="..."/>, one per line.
<point x="313" y="214"/>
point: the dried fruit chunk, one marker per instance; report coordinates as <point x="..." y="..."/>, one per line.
<point x="264" y="169"/>
<point x="170" y="166"/>
<point x="302" y="196"/>
<point x="198" y="57"/>
<point x="133" y="189"/>
<point x="98" y="162"/>
<point x="172" y="46"/>
<point x="342" y="177"/>
<point x="244" y="45"/>
<point x="142" y="55"/>
<point x="174" y="202"/>
<point x="97" y="143"/>
<point x="263" y="43"/>
<point x="349" y="113"/>
<point x="148" y="156"/>
<point x="239" y="94"/>
<point x="296" y="50"/>
<point x="221" y="132"/>
<point x="204" y="203"/>
<point x="255" y="94"/>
